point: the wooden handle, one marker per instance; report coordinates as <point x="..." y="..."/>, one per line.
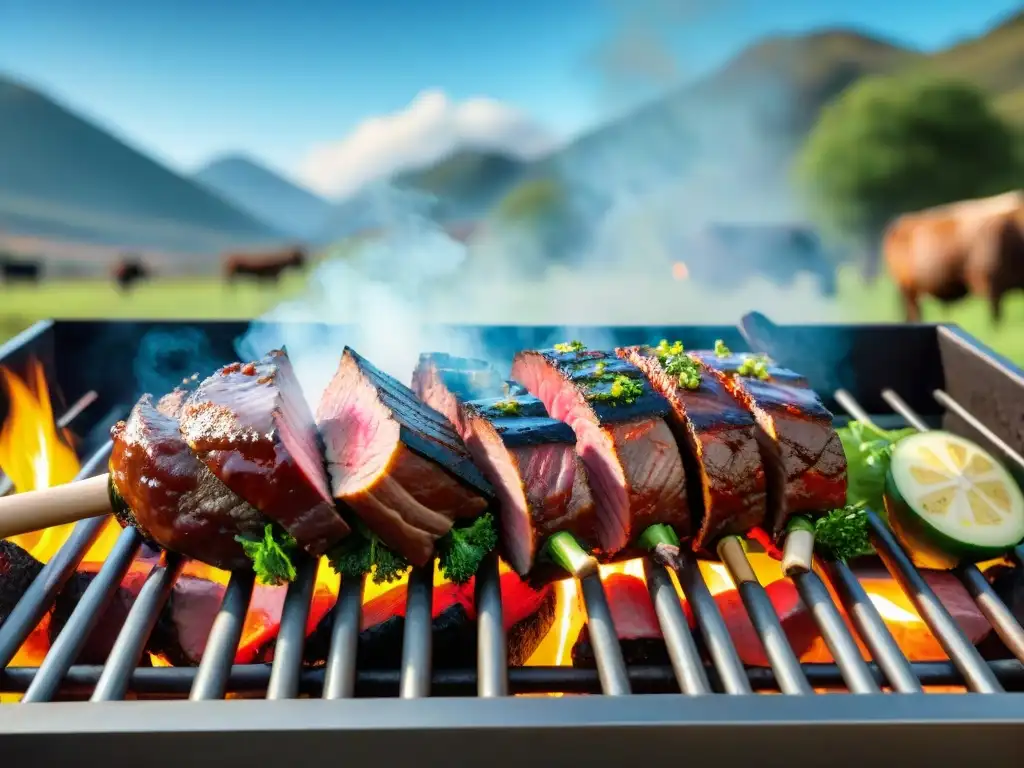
<point x="61" y="504"/>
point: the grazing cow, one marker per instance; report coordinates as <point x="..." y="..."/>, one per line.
<point x="129" y="271"/>
<point x="264" y="267"/>
<point x="19" y="270"/>
<point x="952" y="251"/>
<point x="726" y="254"/>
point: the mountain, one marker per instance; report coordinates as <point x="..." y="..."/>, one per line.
<point x="466" y="183"/>
<point x="266" y="196"/>
<point x="64" y="177"/>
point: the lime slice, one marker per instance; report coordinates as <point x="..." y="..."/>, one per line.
<point x="949" y="500"/>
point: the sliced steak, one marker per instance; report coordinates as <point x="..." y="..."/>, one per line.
<point x="721" y="456"/>
<point x="395" y="461"/>
<point x="633" y="464"/>
<point x="252" y="427"/>
<point x="171" y="497"/>
<point x="527" y="456"/>
<point x="803" y="457"/>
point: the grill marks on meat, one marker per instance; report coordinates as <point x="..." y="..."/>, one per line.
<point x="803" y="458"/>
<point x="633" y="463"/>
<point x="395" y="461"/>
<point x="251" y="426"/>
<point x="173" y="498"/>
<point x="722" y="457"/>
<point x="527" y="456"/>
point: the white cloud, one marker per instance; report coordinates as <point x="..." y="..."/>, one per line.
<point x="431" y="127"/>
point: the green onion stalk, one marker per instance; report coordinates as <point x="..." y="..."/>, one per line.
<point x="564" y="550"/>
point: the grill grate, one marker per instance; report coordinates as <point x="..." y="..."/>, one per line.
<point x="341" y="677"/>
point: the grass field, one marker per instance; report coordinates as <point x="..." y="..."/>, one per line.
<point x="660" y="301"/>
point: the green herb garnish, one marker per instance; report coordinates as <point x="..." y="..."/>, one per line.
<point x="677" y="363"/>
<point x="507" y="407"/>
<point x="600" y="368"/>
<point x="566" y="347"/>
<point x="868" y="452"/>
<point x="461" y="550"/>
<point x="623" y="390"/>
<point x="842" y="534"/>
<point x="721" y="350"/>
<point x="361" y="552"/>
<point x="271" y="556"/>
<point x="755" y="366"/>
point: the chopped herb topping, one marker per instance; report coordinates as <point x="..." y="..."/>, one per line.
<point x="843" y="533"/>
<point x="570" y="346"/>
<point x="677" y="363"/>
<point x="720" y="349"/>
<point x="623" y="390"/>
<point x="506" y="407"/>
<point x="600" y="367"/>
<point x="755" y="366"/>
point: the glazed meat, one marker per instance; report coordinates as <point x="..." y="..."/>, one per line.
<point x="805" y="466"/>
<point x="721" y="456"/>
<point x="251" y="426"/>
<point x="633" y="463"/>
<point x="171" y="497"/>
<point x="528" y="457"/>
<point x="395" y="461"/>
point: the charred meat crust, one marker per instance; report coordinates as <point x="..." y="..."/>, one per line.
<point x="804" y="463"/>
<point x="719" y="447"/>
<point x="251" y="426"/>
<point x="171" y="497"/>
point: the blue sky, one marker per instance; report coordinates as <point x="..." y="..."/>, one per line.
<point x="187" y="79"/>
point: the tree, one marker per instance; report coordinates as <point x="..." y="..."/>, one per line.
<point x="890" y="145"/>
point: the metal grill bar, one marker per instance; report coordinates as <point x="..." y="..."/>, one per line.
<point x="898" y="404"/>
<point x="839" y="641"/>
<point x="291" y="636"/>
<point x="43" y="590"/>
<point x="417" y="642"/>
<point x="492" y="653"/>
<point x="879" y="640"/>
<point x="340" y="673"/>
<point x="69" y="642"/>
<point x="252" y="679"/>
<point x="131" y="640"/>
<point x="948" y="402"/>
<point x="720" y="647"/>
<point x="225" y="634"/>
<point x="682" y="649"/>
<point x="611" y="667"/>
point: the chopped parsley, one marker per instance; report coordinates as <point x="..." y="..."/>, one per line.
<point x="566" y="347"/>
<point x="842" y="534"/>
<point x="677" y="363"/>
<point x="507" y="407"/>
<point x="755" y="366"/>
<point x="600" y="368"/>
<point x="272" y="556"/>
<point x="623" y="390"/>
<point x="721" y="350"/>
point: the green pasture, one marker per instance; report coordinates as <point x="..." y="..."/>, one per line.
<point x="20" y="306"/>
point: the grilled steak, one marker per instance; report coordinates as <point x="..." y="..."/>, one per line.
<point x="18" y="569"/>
<point x="397" y="462"/>
<point x="171" y="497"/>
<point x="722" y="459"/>
<point x="805" y="466"/>
<point x="527" y="456"/>
<point x="251" y="426"/>
<point x="632" y="461"/>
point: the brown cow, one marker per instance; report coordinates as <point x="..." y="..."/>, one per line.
<point x="951" y="251"/>
<point x="129" y="271"/>
<point x="264" y="267"/>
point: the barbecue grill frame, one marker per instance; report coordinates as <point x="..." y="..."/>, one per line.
<point x="866" y="360"/>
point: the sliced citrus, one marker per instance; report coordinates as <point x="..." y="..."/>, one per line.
<point x="949" y="500"/>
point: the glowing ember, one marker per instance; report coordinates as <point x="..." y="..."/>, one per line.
<point x="680" y="271"/>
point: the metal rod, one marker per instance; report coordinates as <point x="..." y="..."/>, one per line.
<point x="682" y="649"/>
<point x="90" y="608"/>
<point x="417" y="639"/>
<point x="995" y="610"/>
<point x="712" y="627"/>
<point x="851" y="406"/>
<point x="977" y="675"/>
<point x="945" y="400"/>
<point x="611" y="667"/>
<point x="899" y="405"/>
<point x="492" y="650"/>
<point x="873" y="631"/>
<point x="833" y="629"/>
<point x="340" y="672"/>
<point x="43" y="590"/>
<point x="222" y="644"/>
<point x="131" y="640"/>
<point x="291" y="637"/>
<point x="252" y="679"/>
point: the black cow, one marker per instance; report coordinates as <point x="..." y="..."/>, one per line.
<point x="129" y="271"/>
<point x="20" y="270"/>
